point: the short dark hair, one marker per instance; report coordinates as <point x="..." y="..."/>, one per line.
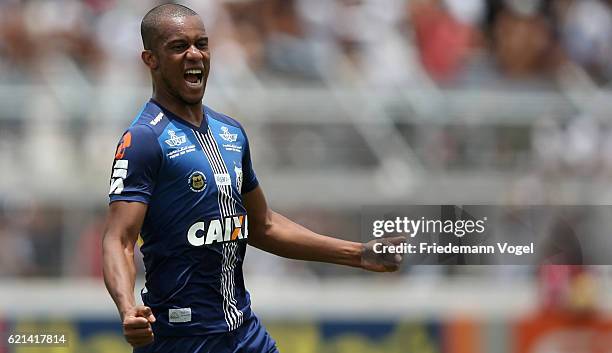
<point x="149" y="27"/>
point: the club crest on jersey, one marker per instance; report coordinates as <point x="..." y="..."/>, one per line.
<point x="228" y="229"/>
<point x="227" y="136"/>
<point x="197" y="181"/>
<point x="174" y="139"/>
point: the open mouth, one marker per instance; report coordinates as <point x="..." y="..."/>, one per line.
<point x="193" y="77"/>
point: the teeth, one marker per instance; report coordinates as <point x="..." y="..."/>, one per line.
<point x="194" y="71"/>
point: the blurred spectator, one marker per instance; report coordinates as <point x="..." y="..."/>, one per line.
<point x="46" y="232"/>
<point x="582" y="145"/>
<point x="547" y="141"/>
<point x="88" y="258"/>
<point x="116" y="30"/>
<point x="445" y="41"/>
<point x="62" y="27"/>
<point x="16" y="248"/>
<point x="586" y="29"/>
<point x="569" y="289"/>
<point x="17" y="49"/>
<point x="287" y="50"/>
<point x="31" y="241"/>
<point x="373" y="38"/>
<point x="605" y="153"/>
<point x="237" y="43"/>
<point x="523" y="39"/>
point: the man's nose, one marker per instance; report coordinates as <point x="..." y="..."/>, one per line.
<point x="194" y="53"/>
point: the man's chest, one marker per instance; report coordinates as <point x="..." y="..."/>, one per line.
<point x="196" y="162"/>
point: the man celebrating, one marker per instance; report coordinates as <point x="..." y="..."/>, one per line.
<point x="182" y="178"/>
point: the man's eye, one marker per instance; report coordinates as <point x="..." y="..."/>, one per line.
<point x="202" y="45"/>
<point x="179" y="47"/>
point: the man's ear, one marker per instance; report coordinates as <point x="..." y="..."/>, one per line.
<point x="149" y="59"/>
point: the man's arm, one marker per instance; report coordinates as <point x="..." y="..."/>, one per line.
<point x="122" y="228"/>
<point x="274" y="233"/>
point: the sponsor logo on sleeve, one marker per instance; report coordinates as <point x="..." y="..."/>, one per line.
<point x="119" y="174"/>
<point x="126" y="141"/>
<point x="120" y="165"/>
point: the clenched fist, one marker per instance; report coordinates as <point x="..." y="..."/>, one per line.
<point x="137" y="325"/>
<point x="385" y="262"/>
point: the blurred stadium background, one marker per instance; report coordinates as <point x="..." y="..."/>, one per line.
<point x="347" y="103"/>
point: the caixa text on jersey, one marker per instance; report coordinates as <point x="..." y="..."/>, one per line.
<point x="231" y="228"/>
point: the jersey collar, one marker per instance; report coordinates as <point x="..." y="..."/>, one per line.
<point x="202" y="128"/>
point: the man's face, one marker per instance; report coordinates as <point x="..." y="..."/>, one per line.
<point x="184" y="58"/>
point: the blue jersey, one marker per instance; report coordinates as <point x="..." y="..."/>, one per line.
<point x="196" y="228"/>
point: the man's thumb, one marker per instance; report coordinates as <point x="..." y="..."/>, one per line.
<point x="146" y="312"/>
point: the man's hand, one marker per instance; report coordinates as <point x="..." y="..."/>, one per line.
<point x="385" y="262"/>
<point x="137" y="326"/>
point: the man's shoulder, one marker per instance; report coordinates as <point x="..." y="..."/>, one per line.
<point x="145" y="130"/>
<point x="222" y="118"/>
<point x="151" y="120"/>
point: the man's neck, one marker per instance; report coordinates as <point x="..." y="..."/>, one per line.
<point x="192" y="113"/>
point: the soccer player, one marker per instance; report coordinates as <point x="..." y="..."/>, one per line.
<point x="182" y="178"/>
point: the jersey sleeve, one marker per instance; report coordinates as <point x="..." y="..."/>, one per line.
<point x="137" y="161"/>
<point x="250" y="181"/>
